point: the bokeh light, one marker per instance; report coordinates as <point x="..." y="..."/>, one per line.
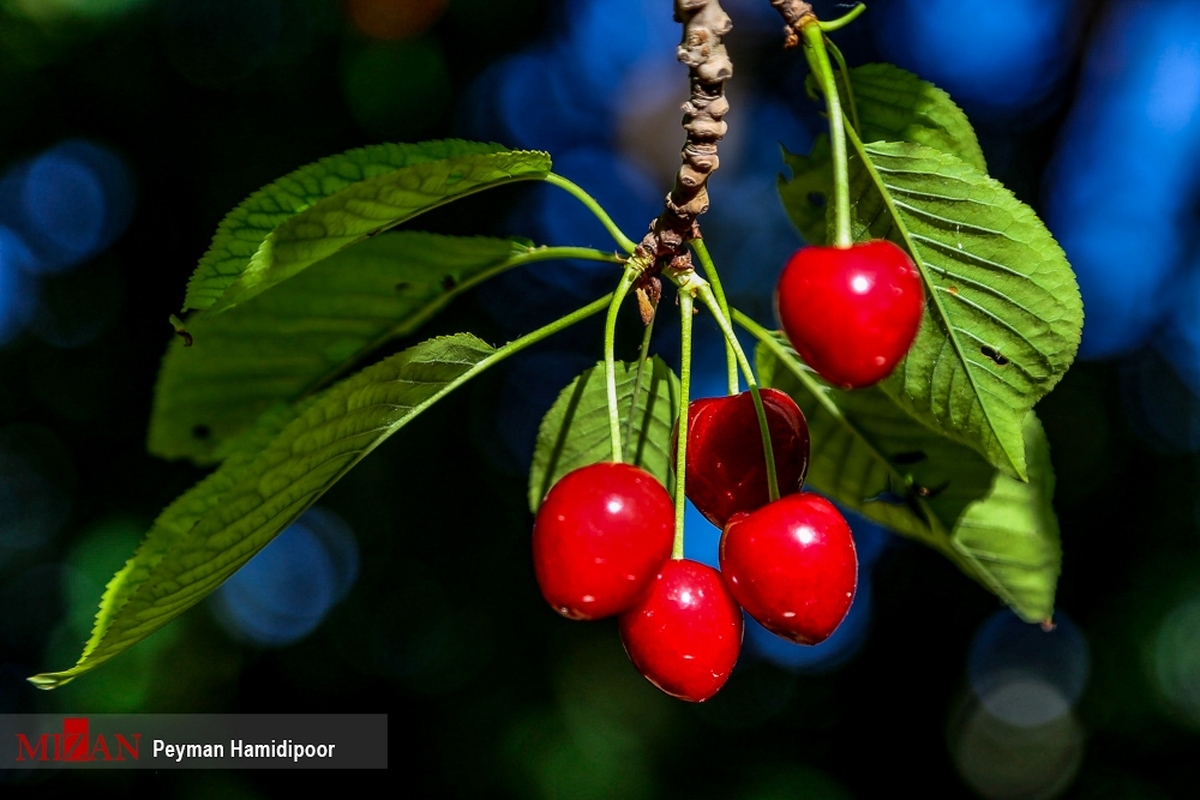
<point x="394" y="19"/>
<point x="67" y="204"/>
<point x="528" y="100"/>
<point x="1024" y="675"/>
<point x="604" y="38"/>
<point x="1176" y="661"/>
<point x="17" y="291"/>
<point x="992" y="56"/>
<point x="1001" y="761"/>
<point x="397" y="91"/>
<point x="284" y="592"/>
<point x="611" y="714"/>
<point x="1122" y="182"/>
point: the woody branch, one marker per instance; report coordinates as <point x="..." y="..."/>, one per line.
<point x="702" y="49"/>
<point x="794" y="13"/>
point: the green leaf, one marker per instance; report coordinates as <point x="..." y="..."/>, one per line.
<point x="295" y="339"/>
<point x="275" y="471"/>
<point x="575" y="431"/>
<point x="809" y="191"/>
<point x="1010" y="538"/>
<point x="893" y="106"/>
<point x="286" y="463"/>
<point x="870" y="455"/>
<point x="897" y="106"/>
<point x="1003" y="313"/>
<point x="338" y="201"/>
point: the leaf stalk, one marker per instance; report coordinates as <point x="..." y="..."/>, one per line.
<point x="610" y="365"/>
<point x="818" y="60"/>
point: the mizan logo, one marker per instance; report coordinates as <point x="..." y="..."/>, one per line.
<point x="75" y="744"/>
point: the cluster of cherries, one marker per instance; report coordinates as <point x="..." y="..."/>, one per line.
<point x="603" y="537"/>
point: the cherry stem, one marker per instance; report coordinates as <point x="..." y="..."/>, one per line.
<point x="610" y="363"/>
<point x="818" y="60"/>
<point x="686" y="306"/>
<point x="710" y="301"/>
<point x="643" y="357"/>
<point x="844" y="71"/>
<point x="710" y="271"/>
<point x="936" y="536"/>
<point x="544" y="332"/>
<point x="579" y="194"/>
<point x="844" y="20"/>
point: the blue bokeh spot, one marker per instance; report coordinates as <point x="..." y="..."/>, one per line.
<point x="282" y="594"/>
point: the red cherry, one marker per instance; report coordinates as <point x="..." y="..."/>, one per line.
<point x="851" y="313"/>
<point x="726" y="471"/>
<point x="599" y="538"/>
<point x="685" y="633"/>
<point x="792" y="566"/>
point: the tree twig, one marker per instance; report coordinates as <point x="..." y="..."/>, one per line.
<point x="794" y="13"/>
<point x="702" y="49"/>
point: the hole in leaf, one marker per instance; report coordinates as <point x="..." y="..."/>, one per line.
<point x="402" y="286"/>
<point x="927" y="492"/>
<point x="910" y="457"/>
<point x="448" y="282"/>
<point x="817" y="199"/>
<point x="201" y="432"/>
<point x="994" y="355"/>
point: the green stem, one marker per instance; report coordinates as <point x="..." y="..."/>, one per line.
<point x="706" y="295"/>
<point x="686" y="302"/>
<point x="844" y="20"/>
<point x="937" y="538"/>
<point x="643" y="356"/>
<point x="818" y="59"/>
<point x="844" y="71"/>
<point x="710" y="271"/>
<point x="560" y="324"/>
<point x="610" y="363"/>
<point x="579" y="194"/>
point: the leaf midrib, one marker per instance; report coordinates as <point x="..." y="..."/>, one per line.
<point x="935" y="298"/>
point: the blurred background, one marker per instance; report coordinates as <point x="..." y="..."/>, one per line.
<point x="129" y="127"/>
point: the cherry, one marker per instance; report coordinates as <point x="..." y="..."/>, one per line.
<point x="726" y="470"/>
<point x="685" y="633"/>
<point x="599" y="538"/>
<point x="792" y="566"/>
<point x="851" y="313"/>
